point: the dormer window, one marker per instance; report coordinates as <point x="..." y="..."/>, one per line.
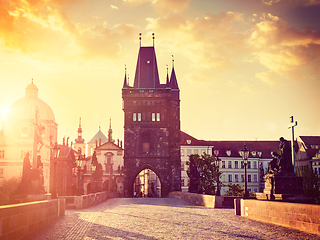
<point x="216" y="152"/>
<point x="259" y="154"/>
<point x="189" y="142"/>
<point x="228" y="153"/>
<point x="148" y="62"/>
<point x="254" y="153"/>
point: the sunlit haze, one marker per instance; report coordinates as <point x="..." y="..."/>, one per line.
<point x="243" y="67"/>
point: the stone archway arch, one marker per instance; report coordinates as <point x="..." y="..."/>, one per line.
<point x="138" y="170"/>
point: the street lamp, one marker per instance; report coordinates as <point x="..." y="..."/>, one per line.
<point x="93" y="168"/>
<point x="55" y="155"/>
<point x="79" y="164"/>
<point x="245" y="154"/>
<point x="217" y="172"/>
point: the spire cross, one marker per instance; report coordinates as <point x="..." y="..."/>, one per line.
<point x="140" y="38"/>
<point x="172" y="61"/>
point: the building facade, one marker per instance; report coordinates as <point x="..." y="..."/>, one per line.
<point x="231" y="164"/>
<point x="151" y="125"/>
<point x="308" y="153"/>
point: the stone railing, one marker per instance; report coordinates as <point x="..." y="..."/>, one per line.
<point x="205" y="200"/>
<point x="84" y="201"/>
<point x="19" y="220"/>
<point x="301" y="216"/>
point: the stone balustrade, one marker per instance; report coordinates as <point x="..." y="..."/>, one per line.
<point x="19" y="220"/>
<point x="301" y="216"/>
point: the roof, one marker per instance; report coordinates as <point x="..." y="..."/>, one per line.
<point x="99" y="135"/>
<point x="147" y="75"/>
<point x="109" y="146"/>
<point x="65" y="151"/>
<point x="233" y="147"/>
<point x="310" y="140"/>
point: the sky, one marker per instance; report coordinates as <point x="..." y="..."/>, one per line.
<point x="243" y="67"/>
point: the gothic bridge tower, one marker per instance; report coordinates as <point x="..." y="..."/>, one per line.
<point x="152" y="125"/>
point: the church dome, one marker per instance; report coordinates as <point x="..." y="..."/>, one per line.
<point x="25" y="108"/>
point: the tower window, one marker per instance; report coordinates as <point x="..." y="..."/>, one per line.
<point x="134" y="117"/>
<point x="153" y="117"/>
<point x="158" y="117"/>
<point x="139" y="117"/>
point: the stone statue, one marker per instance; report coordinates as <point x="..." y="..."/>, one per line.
<point x="286" y="157"/>
<point x="274" y="164"/>
<point x="194" y="176"/>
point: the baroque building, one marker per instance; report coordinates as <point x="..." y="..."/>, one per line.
<point x="29" y="127"/>
<point x="151" y="125"/>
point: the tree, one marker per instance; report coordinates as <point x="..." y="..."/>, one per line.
<point x="311" y="183"/>
<point x="208" y="172"/>
<point x="7" y="187"/>
<point x="234" y="189"/>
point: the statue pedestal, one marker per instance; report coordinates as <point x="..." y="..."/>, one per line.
<point x="283" y="188"/>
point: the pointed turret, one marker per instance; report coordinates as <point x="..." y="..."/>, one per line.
<point x="79" y="139"/>
<point x="110" y="133"/>
<point x="125" y="83"/>
<point x="167" y="82"/>
<point x="173" y="78"/>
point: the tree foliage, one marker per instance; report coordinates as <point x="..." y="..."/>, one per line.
<point x="311" y="183"/>
<point x="234" y="189"/>
<point x="208" y="171"/>
<point x="7" y="187"/>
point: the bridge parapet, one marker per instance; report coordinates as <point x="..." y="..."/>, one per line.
<point x="19" y="220"/>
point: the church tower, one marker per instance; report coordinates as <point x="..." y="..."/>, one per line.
<point x="79" y="144"/>
<point x="152" y="124"/>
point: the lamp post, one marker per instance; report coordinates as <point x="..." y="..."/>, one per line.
<point x="217" y="171"/>
<point x="245" y="154"/>
<point x="93" y="168"/>
<point x="79" y="165"/>
<point x="55" y="155"/>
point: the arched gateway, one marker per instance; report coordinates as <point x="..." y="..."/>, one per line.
<point x="152" y="125"/>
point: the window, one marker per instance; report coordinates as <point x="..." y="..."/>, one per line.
<point x="139" y="117"/>
<point x="236" y="164"/>
<point x="242" y="178"/>
<point x="2" y="154"/>
<point x="255" y="178"/>
<point x="195" y="151"/>
<point x="153" y="117"/>
<point x="134" y="117"/>
<point x="158" y="117"/>
<point x="229" y="164"/>
<point x="188" y="152"/>
<point x="236" y="178"/>
<point x="182" y="152"/>
<point x="249" y="177"/>
<point x="249" y="164"/>
<point x="255" y="190"/>
<point x="230" y="178"/>
<point x="242" y="166"/>
<point x="223" y="177"/>
<point x="228" y="153"/>
<point x="216" y="152"/>
<point x="223" y="164"/>
<point x="182" y="182"/>
<point x="203" y="151"/>
<point x="255" y="164"/>
<point x="209" y="151"/>
<point x="182" y="166"/>
<point x="24" y="132"/>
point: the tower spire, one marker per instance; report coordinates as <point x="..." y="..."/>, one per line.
<point x="79" y="139"/>
<point x="153" y="39"/>
<point x="125" y="83"/>
<point x="168" y="82"/>
<point x="110" y="133"/>
<point x="140" y="38"/>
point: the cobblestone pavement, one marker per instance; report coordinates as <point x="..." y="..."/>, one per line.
<point x="159" y="218"/>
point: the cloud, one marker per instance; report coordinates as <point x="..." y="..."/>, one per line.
<point x="211" y="42"/>
<point x="114" y="7"/>
<point x="44" y="28"/>
<point x="270" y="2"/>
<point x="285" y="51"/>
<point x="165" y="7"/>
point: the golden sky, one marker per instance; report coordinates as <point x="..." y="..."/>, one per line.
<point x="243" y="67"/>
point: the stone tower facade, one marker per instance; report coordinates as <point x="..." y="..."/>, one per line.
<point x="152" y="125"/>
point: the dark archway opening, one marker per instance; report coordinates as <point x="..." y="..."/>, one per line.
<point x="147" y="184"/>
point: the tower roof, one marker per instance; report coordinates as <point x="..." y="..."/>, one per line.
<point x="173" y="80"/>
<point x="147" y="75"/>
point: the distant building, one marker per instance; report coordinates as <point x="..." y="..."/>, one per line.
<point x="231" y="164"/>
<point x="308" y="153"/>
<point x="18" y="135"/>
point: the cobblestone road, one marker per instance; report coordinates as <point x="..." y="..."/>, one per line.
<point x="159" y="218"/>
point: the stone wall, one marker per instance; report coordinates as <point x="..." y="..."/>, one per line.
<point x="19" y="220"/>
<point x="304" y="217"/>
<point x="84" y="201"/>
<point x="210" y="201"/>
